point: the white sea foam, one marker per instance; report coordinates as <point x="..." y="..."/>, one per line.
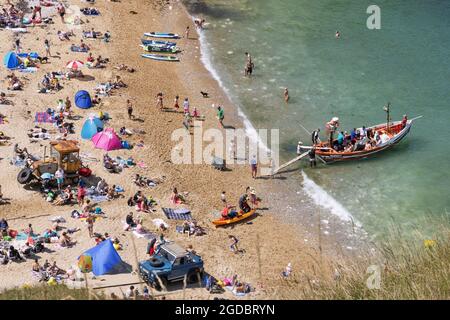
<point x="324" y="200"/>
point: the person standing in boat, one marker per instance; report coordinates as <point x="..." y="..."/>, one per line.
<point x="331" y="126"/>
<point x="315" y="136"/>
<point x="404" y="121"/>
<point x="312" y="157"/>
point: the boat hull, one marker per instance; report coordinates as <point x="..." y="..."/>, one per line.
<point x="334" y="156"/>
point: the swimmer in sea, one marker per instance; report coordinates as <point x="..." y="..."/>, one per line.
<point x="338" y="34"/>
<point x="286" y="95"/>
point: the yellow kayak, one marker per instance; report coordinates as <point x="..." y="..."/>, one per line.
<point x="241" y="216"/>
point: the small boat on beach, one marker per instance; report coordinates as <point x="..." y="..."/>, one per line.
<point x="162" y="35"/>
<point x="159" y="57"/>
<point x="395" y="132"/>
<point x="147" y="42"/>
<point x="151" y="48"/>
<point x="240" y="217"/>
<point x="374" y="140"/>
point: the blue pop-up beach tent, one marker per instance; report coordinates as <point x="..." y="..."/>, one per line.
<point x="83" y="99"/>
<point x="10" y="60"/>
<point x="91" y="127"/>
<point x="102" y="258"/>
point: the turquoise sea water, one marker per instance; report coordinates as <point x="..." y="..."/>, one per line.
<point x="406" y="63"/>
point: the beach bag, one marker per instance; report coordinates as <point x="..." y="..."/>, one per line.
<point x="85" y="172"/>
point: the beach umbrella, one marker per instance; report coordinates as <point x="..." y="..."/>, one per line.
<point x="91" y="127"/>
<point x="85" y="263"/>
<point x="107" y="140"/>
<point x="74" y="64"/>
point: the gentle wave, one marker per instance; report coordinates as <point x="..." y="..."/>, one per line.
<point x="325" y="200"/>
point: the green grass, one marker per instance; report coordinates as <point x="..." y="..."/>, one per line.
<point x="46" y="292"/>
<point x="408" y="270"/>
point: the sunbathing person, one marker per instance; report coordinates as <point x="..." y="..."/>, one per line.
<point x="13" y="82"/>
<point x="131" y="223"/>
<point x="123" y="67"/>
<point x="118" y="83"/>
<point x="65" y="197"/>
<point x="96" y="100"/>
<point x="111" y="193"/>
<point x="90" y="58"/>
<point x="14" y="255"/>
<point x="65" y="241"/>
<point x="176" y="198"/>
<point x="83" y="45"/>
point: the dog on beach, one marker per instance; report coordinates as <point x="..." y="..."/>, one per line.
<point x="204" y="94"/>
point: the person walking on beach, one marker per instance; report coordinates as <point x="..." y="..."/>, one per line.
<point x="17" y="44"/>
<point x="61" y="11"/>
<point x="286" y="95"/>
<point x="90" y="225"/>
<point x="47" y="48"/>
<point x="223" y="198"/>
<point x="187" y="121"/>
<point x="254" y="166"/>
<point x="186" y="106"/>
<point x="80" y="195"/>
<point x="176" y="103"/>
<point x="187" y="32"/>
<point x="159" y="101"/>
<point x="130" y="109"/>
<point x="234" y="241"/>
<point x="220" y="115"/>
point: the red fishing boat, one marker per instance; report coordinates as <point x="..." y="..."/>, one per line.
<point x="394" y="132"/>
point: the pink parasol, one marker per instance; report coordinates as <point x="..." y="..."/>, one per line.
<point x="107" y="140"/>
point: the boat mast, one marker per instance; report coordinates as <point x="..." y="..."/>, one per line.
<point x="388" y="116"/>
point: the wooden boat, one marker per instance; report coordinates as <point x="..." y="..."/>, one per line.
<point x="164" y="49"/>
<point x="240" y="217"/>
<point x="160" y="57"/>
<point x="396" y="133"/>
<point x="162" y="35"/>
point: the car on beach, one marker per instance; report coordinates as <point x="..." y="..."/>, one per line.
<point x="171" y="263"/>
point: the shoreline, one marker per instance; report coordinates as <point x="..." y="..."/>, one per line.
<point x="266" y="240"/>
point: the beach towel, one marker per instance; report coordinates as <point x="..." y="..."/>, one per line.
<point x="159" y="222"/>
<point x="97" y="198"/>
<point x="90" y="11"/>
<point x="146" y="234"/>
<point x="177" y="214"/>
<point x="28" y="70"/>
<point x="78" y="49"/>
<point x="88" y="35"/>
<point x="58" y="219"/>
<point x="43" y="117"/>
<point x="23" y="236"/>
